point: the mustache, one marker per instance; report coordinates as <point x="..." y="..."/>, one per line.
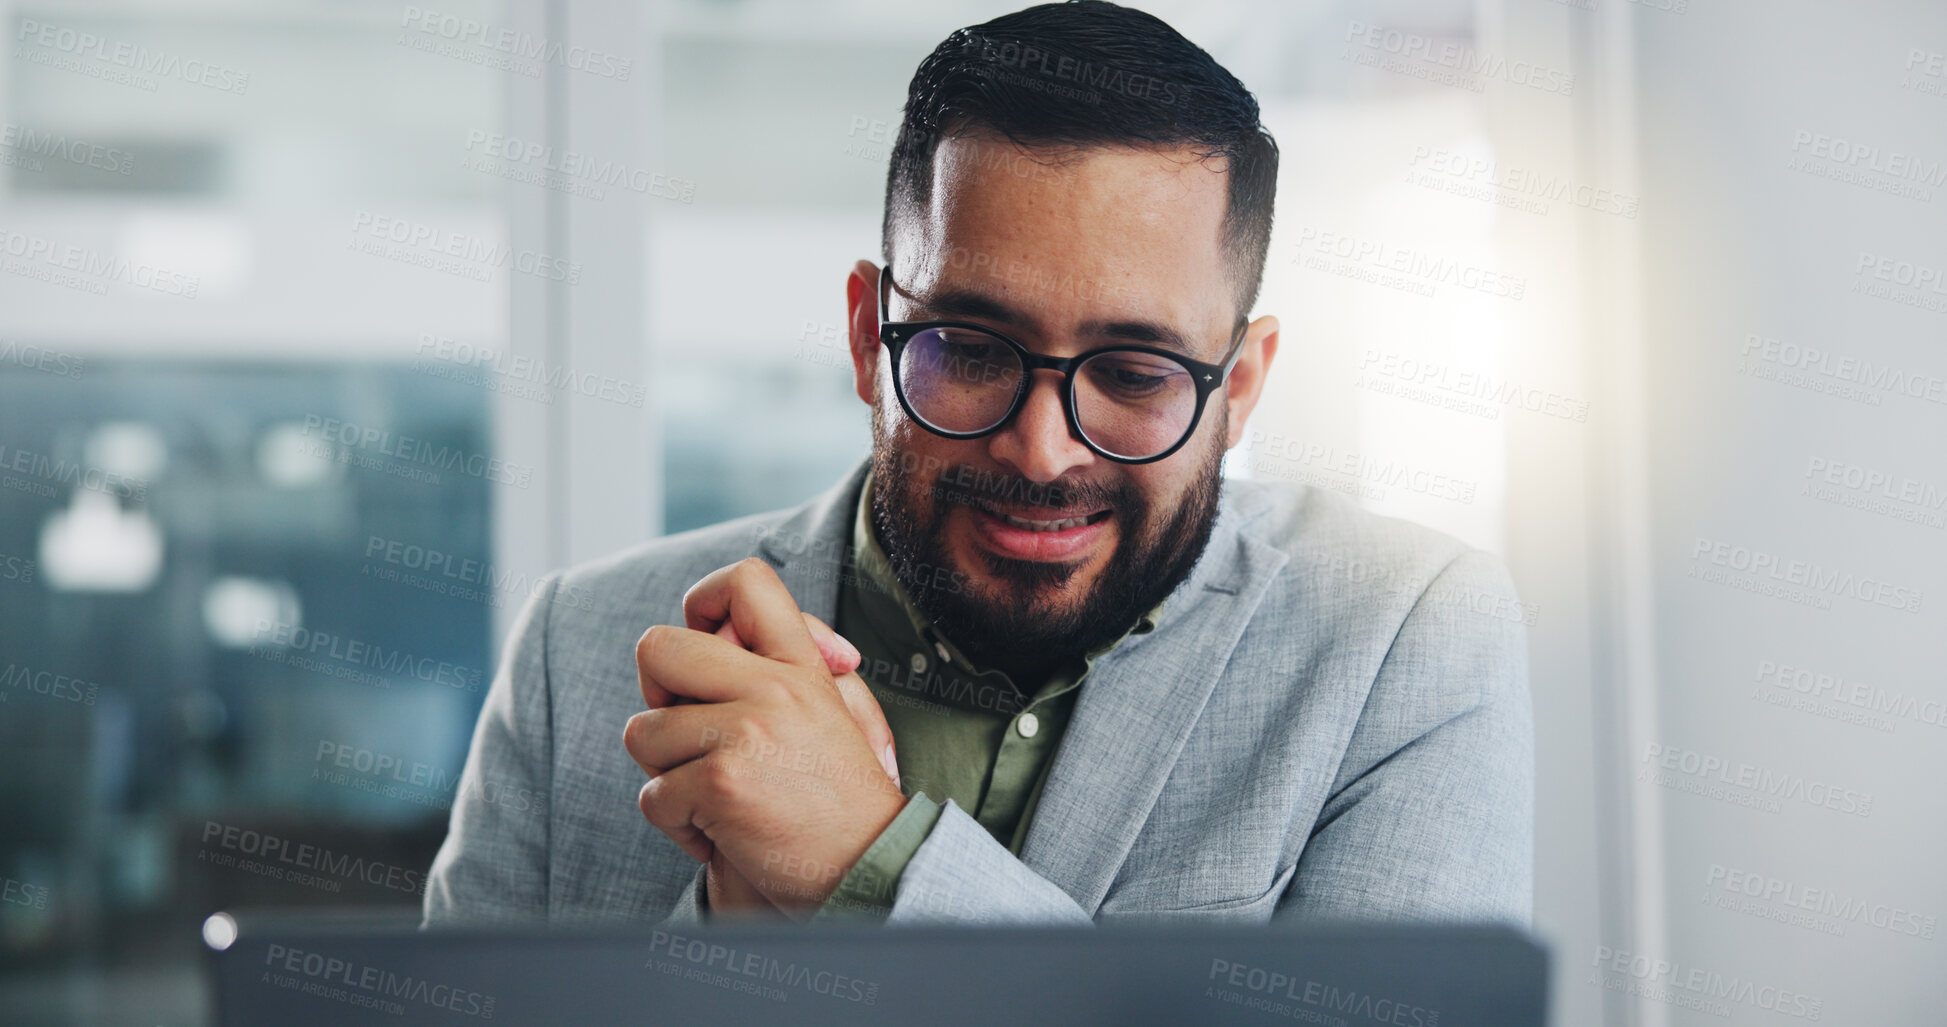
<point x="973" y="486"/>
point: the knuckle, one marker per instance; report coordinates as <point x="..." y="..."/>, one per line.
<point x="640" y="728"/>
<point x="658" y="643"/>
<point x="750" y="570"/>
<point x="719" y="778"/>
<point x="743" y="733"/>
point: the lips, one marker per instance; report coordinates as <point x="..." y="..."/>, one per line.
<point x="1042" y="518"/>
<point x="1060" y="524"/>
<point x="1039" y="533"/>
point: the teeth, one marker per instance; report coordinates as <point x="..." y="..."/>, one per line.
<point x="1065" y="523"/>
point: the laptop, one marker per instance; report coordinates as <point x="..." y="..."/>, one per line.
<point x="296" y="971"/>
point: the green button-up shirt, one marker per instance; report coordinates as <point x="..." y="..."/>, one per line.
<point x="962" y="733"/>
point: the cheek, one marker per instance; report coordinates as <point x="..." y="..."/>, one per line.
<point x="1161" y="483"/>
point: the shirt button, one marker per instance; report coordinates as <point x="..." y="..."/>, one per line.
<point x="1028" y="725"/>
<point x="919" y="663"/>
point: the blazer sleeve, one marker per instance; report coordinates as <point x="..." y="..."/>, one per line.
<point x="692" y="907"/>
<point x="961" y="875"/>
<point x="1432" y="814"/>
<point x="493" y="865"/>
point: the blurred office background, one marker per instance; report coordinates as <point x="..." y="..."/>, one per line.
<point x="310" y="366"/>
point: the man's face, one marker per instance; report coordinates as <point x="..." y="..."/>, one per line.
<point x="1048" y="548"/>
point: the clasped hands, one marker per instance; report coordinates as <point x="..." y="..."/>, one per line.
<point x="768" y="757"/>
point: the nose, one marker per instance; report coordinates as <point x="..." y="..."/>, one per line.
<point x="1037" y="443"/>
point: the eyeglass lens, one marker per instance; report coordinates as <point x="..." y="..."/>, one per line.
<point x="1129" y="404"/>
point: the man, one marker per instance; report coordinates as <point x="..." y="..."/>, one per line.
<point x="1035" y="661"/>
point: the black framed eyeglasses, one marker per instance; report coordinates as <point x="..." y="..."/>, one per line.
<point x="1127" y="402"/>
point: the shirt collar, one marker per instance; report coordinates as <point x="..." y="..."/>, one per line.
<point x="886" y="603"/>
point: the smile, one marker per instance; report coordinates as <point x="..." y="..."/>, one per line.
<point x="1068" y="536"/>
<point x="1059" y="525"/>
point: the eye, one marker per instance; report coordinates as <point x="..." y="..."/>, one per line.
<point x="975" y="350"/>
<point x="1135" y="380"/>
<point x="1132" y="376"/>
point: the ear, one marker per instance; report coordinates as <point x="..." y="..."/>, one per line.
<point x="862" y="320"/>
<point x="1246" y="381"/>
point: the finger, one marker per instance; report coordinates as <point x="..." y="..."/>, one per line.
<point x="666" y="813"/>
<point x="864" y="707"/>
<point x="841" y="656"/>
<point x="750" y="596"/>
<point x="654" y="695"/>
<point x="729" y="634"/>
<point x="672" y="662"/>
<point x="678" y="802"/>
<point x="661" y="740"/>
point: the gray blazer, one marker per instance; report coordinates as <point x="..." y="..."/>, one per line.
<point x="1331" y="721"/>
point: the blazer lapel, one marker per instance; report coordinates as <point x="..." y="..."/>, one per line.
<point x="811" y="550"/>
<point x="1135" y="711"/>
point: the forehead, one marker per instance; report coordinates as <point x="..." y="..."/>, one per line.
<point x="1079" y="230"/>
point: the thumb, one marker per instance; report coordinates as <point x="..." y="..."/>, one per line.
<point x="841" y="656"/>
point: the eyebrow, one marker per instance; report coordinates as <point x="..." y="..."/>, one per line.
<point x="960" y="303"/>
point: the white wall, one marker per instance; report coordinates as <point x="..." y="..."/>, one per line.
<point x="1745" y="236"/>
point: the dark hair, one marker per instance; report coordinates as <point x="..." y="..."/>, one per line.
<point x="1087" y="73"/>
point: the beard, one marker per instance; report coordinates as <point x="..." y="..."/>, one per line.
<point x="1034" y="613"/>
